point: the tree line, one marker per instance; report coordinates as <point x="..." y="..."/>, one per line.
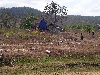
<point x="23" y="16"/>
<point x="14" y="17"/>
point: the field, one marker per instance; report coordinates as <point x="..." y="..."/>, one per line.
<point x="31" y="52"/>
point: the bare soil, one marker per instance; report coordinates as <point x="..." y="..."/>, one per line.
<point x="68" y="73"/>
<point x="57" y="44"/>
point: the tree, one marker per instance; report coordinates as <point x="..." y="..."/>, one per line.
<point x="7" y="16"/>
<point x="89" y="28"/>
<point x="54" y="9"/>
<point x="27" y="23"/>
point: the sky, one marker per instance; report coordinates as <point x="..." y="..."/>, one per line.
<point x="74" y="7"/>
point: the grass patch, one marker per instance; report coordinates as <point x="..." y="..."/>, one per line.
<point x="69" y="63"/>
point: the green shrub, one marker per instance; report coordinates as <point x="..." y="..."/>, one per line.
<point x="28" y="22"/>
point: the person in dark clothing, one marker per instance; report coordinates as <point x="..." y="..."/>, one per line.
<point x="93" y="34"/>
<point x="82" y="36"/>
<point x="43" y="25"/>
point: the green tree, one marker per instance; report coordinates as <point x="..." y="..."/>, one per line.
<point x="7" y="16"/>
<point x="88" y="28"/>
<point x="27" y="23"/>
<point x="54" y="9"/>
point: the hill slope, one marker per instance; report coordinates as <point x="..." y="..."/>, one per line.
<point x="70" y="20"/>
<point x="18" y="11"/>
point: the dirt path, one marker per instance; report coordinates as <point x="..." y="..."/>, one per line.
<point x="68" y="73"/>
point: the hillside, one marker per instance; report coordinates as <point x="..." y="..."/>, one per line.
<point x="19" y="11"/>
<point x="24" y="12"/>
<point x="77" y="19"/>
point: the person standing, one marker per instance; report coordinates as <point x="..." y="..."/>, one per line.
<point x="81" y="36"/>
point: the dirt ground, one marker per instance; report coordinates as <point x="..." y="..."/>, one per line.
<point x="67" y="41"/>
<point x="67" y="73"/>
<point x="55" y="44"/>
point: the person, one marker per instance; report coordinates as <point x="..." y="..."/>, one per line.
<point x="92" y="34"/>
<point x="43" y="25"/>
<point x="82" y="36"/>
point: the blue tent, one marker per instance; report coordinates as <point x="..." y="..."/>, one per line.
<point x="43" y="25"/>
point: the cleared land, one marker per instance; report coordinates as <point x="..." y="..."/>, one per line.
<point x="43" y="53"/>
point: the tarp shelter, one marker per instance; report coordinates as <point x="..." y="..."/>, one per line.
<point x="42" y="25"/>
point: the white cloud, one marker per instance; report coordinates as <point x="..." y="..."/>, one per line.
<point x="94" y="8"/>
<point x="75" y="7"/>
<point x="79" y="10"/>
<point x="94" y="11"/>
<point x="82" y="9"/>
<point x="85" y="1"/>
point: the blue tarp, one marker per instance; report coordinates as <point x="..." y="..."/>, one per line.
<point x="42" y="24"/>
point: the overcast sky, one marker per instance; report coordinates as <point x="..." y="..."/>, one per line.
<point x="75" y="7"/>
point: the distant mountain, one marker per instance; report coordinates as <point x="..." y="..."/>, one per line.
<point x="70" y="20"/>
<point x="18" y="11"/>
<point x="78" y="19"/>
